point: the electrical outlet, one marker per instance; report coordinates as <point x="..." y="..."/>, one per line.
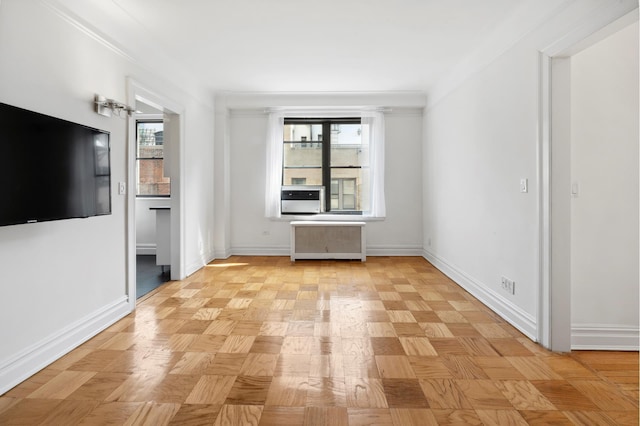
<point x="508" y="285"/>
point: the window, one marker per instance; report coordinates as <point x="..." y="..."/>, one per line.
<point x="339" y="162"/>
<point x="333" y="148"/>
<point x="343" y="194"/>
<point x="298" y="181"/>
<point x="150" y="160"/>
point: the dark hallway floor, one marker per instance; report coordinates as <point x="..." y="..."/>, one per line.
<point x="149" y="276"/>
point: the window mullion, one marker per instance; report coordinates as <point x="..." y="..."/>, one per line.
<point x="326" y="163"/>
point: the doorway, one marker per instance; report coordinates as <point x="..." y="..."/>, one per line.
<point x="166" y="211"/>
<point x="153" y="198"/>
<point x="604" y="193"/>
<point x="557" y="327"/>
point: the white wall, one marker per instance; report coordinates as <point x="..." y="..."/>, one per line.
<point x="604" y="214"/>
<point x="253" y="234"/>
<point x="401" y="231"/>
<point x="198" y="194"/>
<point x="479" y="142"/>
<point x="63" y="281"/>
<point x="481" y="138"/>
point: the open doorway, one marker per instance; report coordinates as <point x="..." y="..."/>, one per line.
<point x="154" y="201"/>
<point x="604" y="193"/>
<point x="567" y="244"/>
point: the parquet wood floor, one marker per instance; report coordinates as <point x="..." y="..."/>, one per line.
<point x="261" y="341"/>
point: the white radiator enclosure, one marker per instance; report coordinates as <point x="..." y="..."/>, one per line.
<point x="328" y="240"/>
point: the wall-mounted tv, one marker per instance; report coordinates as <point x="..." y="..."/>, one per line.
<point x="51" y="169"/>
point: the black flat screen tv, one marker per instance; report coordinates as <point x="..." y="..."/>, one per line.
<point x="51" y="169"/>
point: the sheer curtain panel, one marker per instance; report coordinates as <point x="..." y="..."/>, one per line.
<point x="373" y="128"/>
<point x="273" y="181"/>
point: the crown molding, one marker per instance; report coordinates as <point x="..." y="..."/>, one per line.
<point x="173" y="73"/>
<point x="305" y="100"/>
<point x="87" y="29"/>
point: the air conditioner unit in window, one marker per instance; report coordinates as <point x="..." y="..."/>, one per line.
<point x="302" y="199"/>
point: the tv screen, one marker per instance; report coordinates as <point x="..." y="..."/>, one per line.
<point x="51" y="169"/>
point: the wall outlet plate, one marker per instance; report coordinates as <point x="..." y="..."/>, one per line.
<point x="508" y="285"/>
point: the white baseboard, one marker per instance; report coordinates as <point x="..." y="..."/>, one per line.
<point x="223" y="254"/>
<point x="199" y="264"/>
<point x="261" y="251"/>
<point x="286" y="251"/>
<point x="398" y="250"/>
<point x="146" y="249"/>
<point x="605" y="337"/>
<point x="29" y="361"/>
<point x="515" y="316"/>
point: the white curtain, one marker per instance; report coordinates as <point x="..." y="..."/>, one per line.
<point x="374" y="122"/>
<point x="373" y="129"/>
<point x="275" y="150"/>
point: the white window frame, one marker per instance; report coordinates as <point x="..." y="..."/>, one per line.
<point x="372" y="128"/>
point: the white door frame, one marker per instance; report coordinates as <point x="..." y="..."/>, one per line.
<point x="138" y="92"/>
<point x="554" y="291"/>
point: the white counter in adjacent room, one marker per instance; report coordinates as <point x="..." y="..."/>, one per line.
<point x="163" y="235"/>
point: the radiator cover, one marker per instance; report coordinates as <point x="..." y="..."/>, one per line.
<point x="328" y="240"/>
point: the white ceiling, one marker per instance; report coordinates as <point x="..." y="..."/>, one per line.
<point x="304" y="45"/>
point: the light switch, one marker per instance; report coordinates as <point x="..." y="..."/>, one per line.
<point x="524" y="185"/>
<point x="122" y="188"/>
